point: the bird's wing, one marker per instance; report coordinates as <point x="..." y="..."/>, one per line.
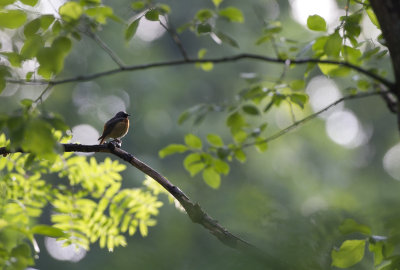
<point x="109" y="126"/>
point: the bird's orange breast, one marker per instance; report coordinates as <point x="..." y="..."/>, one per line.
<point x="120" y="129"/>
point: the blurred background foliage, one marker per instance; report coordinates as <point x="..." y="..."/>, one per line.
<point x="290" y="200"/>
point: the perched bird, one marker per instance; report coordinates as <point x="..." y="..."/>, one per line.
<point x="116" y="127"/>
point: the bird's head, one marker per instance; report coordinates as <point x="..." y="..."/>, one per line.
<point x="122" y="114"/>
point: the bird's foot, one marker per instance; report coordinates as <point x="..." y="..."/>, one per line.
<point x="117" y="143"/>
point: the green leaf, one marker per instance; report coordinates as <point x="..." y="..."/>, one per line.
<point x="71" y="11"/>
<point x="377" y="249"/>
<point x="101" y="13"/>
<point x="201" y="53"/>
<point x="4" y="72"/>
<point x="221" y="166"/>
<point x="204" y="14"/>
<point x="193" y="141"/>
<point x="349" y="253"/>
<point x="32" y="27"/>
<point x="4" y="3"/>
<point x="204" y="28"/>
<point x="333" y="45"/>
<point x="12" y="18"/>
<point x="215" y="140"/>
<point x="240" y="155"/>
<point x="46" y="21"/>
<point x="227" y="39"/>
<point x="239" y="135"/>
<point x="232" y="14"/>
<point x="250" y="109"/>
<point x="26" y="102"/>
<point x="350" y="226"/>
<point x="351" y="55"/>
<point x="152" y="15"/>
<point x="51" y="59"/>
<point x="217" y="2"/>
<point x="297" y="85"/>
<point x="319" y="44"/>
<point x="32" y="46"/>
<point x="299" y="99"/>
<point x="261" y="145"/>
<point x="31" y="3"/>
<point x="38" y="137"/>
<point x="193" y="163"/>
<point x="172" y="149"/>
<point x="131" y="30"/>
<point x="211" y="177"/>
<point x="373" y="17"/>
<point x="235" y="121"/>
<point x="316" y="23"/>
<point x="48" y="231"/>
<point x="15" y="59"/>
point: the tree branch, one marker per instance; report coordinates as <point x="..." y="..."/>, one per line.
<point x="105" y="47"/>
<point x="227" y="59"/>
<point x="176" y="39"/>
<point x="312" y="116"/>
<point x="194" y="210"/>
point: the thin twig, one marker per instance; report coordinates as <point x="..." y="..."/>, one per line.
<point x="227" y="59"/>
<point x="106" y="48"/>
<point x="312" y="116"/>
<point x="40" y="97"/>
<point x="176" y="40"/>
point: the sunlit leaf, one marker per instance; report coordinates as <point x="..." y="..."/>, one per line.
<point x="204" y="14"/>
<point x="349" y="253"/>
<point x="211" y="177"/>
<point x="12" y="18"/>
<point x="31" y="3"/>
<point x="333" y="45"/>
<point x="47" y="231"/>
<point x="316" y="23"/>
<point x="232" y="14"/>
<point x="172" y="149"/>
<point x="131" y="30"/>
<point x="217" y="2"/>
<point x="32" y="27"/>
<point x="193" y="141"/>
<point x="215" y="140"/>
<point x="71" y="11"/>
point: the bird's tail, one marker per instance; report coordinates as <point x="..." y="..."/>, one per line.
<point x="102" y="139"/>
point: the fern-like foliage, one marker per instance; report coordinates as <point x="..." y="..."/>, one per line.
<point x="87" y="203"/>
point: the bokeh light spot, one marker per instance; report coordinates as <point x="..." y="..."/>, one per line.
<point x="84" y="134"/>
<point x="391" y="162"/>
<point x="344" y="128"/>
<point x="59" y="252"/>
<point x="323" y="92"/>
<point x="149" y="31"/>
<point x="327" y="9"/>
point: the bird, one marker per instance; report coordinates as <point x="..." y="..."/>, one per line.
<point x="116" y="127"/>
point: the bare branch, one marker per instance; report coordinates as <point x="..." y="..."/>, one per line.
<point x="312" y="116"/>
<point x="194" y="210"/>
<point x="227" y="59"/>
<point x="176" y="39"/>
<point x="106" y="48"/>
